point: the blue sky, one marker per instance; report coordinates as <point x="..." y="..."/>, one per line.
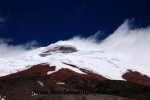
<point x="48" y="21"/>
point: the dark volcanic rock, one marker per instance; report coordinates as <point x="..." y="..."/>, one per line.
<point x="22" y="88"/>
<point x="126" y="89"/>
<point x="19" y="86"/>
<point x="59" y="49"/>
<point x="116" y="87"/>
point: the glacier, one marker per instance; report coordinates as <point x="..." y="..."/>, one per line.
<point x="107" y="64"/>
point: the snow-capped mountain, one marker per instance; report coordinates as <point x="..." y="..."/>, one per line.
<point x="62" y="54"/>
<point x="118" y="63"/>
<point x="123" y="55"/>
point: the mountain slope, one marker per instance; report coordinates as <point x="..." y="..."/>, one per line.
<point x="62" y="60"/>
<point x="109" y="65"/>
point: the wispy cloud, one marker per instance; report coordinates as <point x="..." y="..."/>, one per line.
<point x="2" y="19"/>
<point x="7" y="50"/>
<point x="134" y="43"/>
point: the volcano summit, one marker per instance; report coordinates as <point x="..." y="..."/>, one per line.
<point x="82" y="64"/>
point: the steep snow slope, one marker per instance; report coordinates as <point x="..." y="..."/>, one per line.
<point x="109" y="65"/>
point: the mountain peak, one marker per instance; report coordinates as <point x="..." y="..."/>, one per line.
<point x="58" y="49"/>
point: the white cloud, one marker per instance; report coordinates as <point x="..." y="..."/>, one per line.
<point x="7" y="50"/>
<point x="134" y="43"/>
<point x="2" y="19"/>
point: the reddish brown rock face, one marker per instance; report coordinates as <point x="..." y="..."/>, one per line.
<point x="136" y="77"/>
<point x="90" y="74"/>
<point x="37" y="70"/>
<point x="62" y="74"/>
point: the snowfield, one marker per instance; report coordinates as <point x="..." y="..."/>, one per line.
<point x="107" y="64"/>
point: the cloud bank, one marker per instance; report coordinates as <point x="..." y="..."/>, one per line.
<point x="7" y="50"/>
<point x="134" y="43"/>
